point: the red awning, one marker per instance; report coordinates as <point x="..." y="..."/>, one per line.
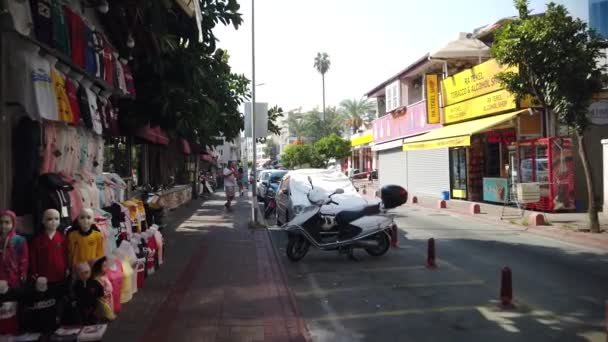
<point x="185" y="146"/>
<point x="154" y="134"/>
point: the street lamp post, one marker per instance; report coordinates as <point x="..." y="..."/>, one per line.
<point x="253" y="166"/>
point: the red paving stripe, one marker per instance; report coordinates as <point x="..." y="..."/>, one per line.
<point x="163" y="320"/>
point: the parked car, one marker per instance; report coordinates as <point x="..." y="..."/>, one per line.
<point x="291" y="197"/>
<point x="267" y="178"/>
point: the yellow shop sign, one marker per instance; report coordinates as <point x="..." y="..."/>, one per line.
<point x="495" y="102"/>
<point x="432" y="99"/>
<point x="362" y="140"/>
<point x="439" y="143"/>
<point x="477" y="81"/>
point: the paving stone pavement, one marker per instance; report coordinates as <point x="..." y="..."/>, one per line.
<point x="221" y="282"/>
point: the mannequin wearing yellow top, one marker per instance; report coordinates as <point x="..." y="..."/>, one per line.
<point x="85" y="241"/>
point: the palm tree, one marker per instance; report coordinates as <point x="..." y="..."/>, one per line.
<point x="296" y="125"/>
<point x="357" y="112"/>
<point x="322" y="65"/>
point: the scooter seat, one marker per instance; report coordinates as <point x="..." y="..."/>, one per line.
<point x="345" y="217"/>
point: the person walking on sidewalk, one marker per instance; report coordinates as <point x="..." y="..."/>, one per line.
<point x="229" y="184"/>
<point x="240" y="181"/>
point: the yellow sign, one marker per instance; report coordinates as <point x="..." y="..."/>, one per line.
<point x="458" y="193"/>
<point x="432" y="99"/>
<point x="477" y="81"/>
<point x="362" y="140"/>
<point x="494" y="102"/>
<point x="438" y="143"/>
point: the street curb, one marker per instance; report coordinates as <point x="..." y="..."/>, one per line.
<point x="545" y="231"/>
<point x="302" y="328"/>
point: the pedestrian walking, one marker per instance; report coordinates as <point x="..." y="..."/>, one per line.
<point x="229" y="184"/>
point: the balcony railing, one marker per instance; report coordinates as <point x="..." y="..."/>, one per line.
<point x="413" y="122"/>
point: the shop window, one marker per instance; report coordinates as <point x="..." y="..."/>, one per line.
<point x="526" y="156"/>
<point x="492" y="160"/>
<point x="458" y="172"/>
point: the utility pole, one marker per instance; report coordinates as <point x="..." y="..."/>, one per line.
<point x="254" y="198"/>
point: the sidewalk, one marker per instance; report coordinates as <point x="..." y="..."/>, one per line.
<point x="563" y="226"/>
<point x="221" y="282"/>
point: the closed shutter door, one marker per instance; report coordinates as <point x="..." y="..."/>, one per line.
<point x="392" y="167"/>
<point x="428" y="172"/>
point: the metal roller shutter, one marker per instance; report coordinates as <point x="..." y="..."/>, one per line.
<point x="392" y="167"/>
<point x="428" y="172"/>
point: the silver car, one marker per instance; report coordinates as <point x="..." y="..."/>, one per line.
<point x="266" y="179"/>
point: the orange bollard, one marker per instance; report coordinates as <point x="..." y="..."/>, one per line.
<point x="394" y="236"/>
<point x="430" y="258"/>
<point x="506" y="288"/>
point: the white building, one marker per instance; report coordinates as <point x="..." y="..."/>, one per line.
<point x="229" y="150"/>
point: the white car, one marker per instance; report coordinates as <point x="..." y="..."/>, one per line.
<point x="291" y="198"/>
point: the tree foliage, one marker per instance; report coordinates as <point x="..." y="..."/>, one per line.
<point x="297" y="155"/>
<point x="271" y="149"/>
<point x="357" y="112"/>
<point x="557" y="57"/>
<point x="322" y="62"/>
<point x="187" y="86"/>
<point x="332" y="146"/>
<point x="311" y="127"/>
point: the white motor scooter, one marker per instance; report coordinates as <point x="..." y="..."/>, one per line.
<point x="367" y="228"/>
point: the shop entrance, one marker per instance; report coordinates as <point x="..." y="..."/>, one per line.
<point x="458" y="172"/>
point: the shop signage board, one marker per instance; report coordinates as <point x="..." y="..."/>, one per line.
<point x="362" y="140"/>
<point x="432" y="99"/>
<point x="495" y="102"/>
<point x="598" y="113"/>
<point x="495" y="189"/>
<point x="505" y="136"/>
<point x="474" y="82"/>
<point x="438" y="143"/>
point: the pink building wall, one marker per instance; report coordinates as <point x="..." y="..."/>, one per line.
<point x="413" y="122"/>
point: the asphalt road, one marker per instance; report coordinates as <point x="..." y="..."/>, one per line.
<point x="559" y="289"/>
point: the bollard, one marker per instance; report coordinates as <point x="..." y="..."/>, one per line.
<point x="474" y="209"/>
<point x="414" y="200"/>
<point x="506" y="288"/>
<point x="394" y="236"/>
<point x="441" y="204"/>
<point x="430" y="258"/>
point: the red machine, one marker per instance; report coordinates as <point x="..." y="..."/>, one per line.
<point x="550" y="162"/>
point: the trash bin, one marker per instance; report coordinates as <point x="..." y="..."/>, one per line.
<point x="445" y="195"/>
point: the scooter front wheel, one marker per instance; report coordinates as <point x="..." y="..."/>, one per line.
<point x="297" y="247"/>
<point x="383" y="245"/>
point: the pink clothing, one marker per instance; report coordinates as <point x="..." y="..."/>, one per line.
<point x="115" y="275"/>
<point x="14" y="261"/>
<point x="50" y="146"/>
<point x="108" y="291"/>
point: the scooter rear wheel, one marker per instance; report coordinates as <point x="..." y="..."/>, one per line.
<point x="383" y="246"/>
<point x="297" y="247"/>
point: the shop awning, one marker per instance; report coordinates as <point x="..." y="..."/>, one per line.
<point x="456" y="135"/>
<point x="388" y="145"/>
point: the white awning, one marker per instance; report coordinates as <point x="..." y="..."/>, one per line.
<point x="462" y="48"/>
<point x="388" y="145"/>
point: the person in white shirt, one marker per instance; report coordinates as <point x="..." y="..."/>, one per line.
<point x="230" y="174"/>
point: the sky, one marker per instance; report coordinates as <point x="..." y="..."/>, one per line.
<point x="368" y="41"/>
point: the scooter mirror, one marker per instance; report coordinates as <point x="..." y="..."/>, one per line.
<point x="339" y="191"/>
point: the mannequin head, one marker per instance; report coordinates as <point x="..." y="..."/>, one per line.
<point x="3" y="286"/>
<point x="7" y="221"/>
<point x="85" y="219"/>
<point x="50" y="220"/>
<point x="41" y="284"/>
<point x="83" y="270"/>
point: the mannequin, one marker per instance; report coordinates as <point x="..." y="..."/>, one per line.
<point x="49" y="252"/>
<point x="105" y="303"/>
<point x="41" y="308"/>
<point x="8" y="310"/>
<point x="86" y="292"/>
<point x="14" y="259"/>
<point x="85" y="242"/>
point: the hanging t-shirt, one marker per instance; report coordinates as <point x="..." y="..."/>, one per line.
<point x="85" y="109"/>
<point x="120" y="76"/>
<point x="61" y="38"/>
<point x="63" y="102"/>
<point x="112" y="118"/>
<point x="45" y="100"/>
<point x="101" y="108"/>
<point x="22" y="16"/>
<point x="77" y="36"/>
<point x="9" y="322"/>
<point x="90" y="57"/>
<point x="41" y="312"/>
<point x="19" y="74"/>
<point x="93" y="108"/>
<point x="108" y="62"/>
<point x="129" y="82"/>
<point x="151" y="257"/>
<point x="43" y="24"/>
<point x="71" y="87"/>
<point x="98" y="47"/>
